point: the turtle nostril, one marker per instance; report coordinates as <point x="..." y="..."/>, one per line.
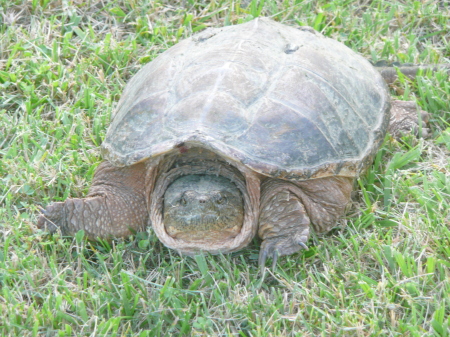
<point x="202" y="200"/>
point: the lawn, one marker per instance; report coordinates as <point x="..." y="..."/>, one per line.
<point x="383" y="271"/>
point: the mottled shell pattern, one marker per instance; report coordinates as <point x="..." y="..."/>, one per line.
<point x="286" y="102"/>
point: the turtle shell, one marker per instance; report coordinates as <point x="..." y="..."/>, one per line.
<point x="285" y="102"/>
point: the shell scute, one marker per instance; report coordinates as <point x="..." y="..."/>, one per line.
<point x="282" y="101"/>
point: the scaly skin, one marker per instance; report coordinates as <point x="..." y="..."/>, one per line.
<point x="390" y="72"/>
<point x="115" y="206"/>
<point x="406" y="118"/>
<point x="289" y="209"/>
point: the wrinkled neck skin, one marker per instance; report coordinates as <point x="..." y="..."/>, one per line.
<point x="199" y="202"/>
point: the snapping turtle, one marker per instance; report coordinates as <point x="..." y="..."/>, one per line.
<point x="254" y="129"/>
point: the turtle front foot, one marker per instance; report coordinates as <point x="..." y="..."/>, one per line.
<point x="282" y="245"/>
<point x="51" y="218"/>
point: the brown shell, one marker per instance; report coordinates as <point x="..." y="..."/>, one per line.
<point x="286" y="102"/>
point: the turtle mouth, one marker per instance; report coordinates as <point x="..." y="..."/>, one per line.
<point x="203" y="208"/>
<point x="204" y="228"/>
<point x="205" y="236"/>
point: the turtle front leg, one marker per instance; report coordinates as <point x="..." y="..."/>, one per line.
<point x="283" y="222"/>
<point x="288" y="210"/>
<point x="115" y="206"/>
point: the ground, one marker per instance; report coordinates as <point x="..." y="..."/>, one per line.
<point x="384" y="271"/>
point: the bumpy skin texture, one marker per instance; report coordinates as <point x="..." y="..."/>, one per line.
<point x="115" y="206"/>
<point x="406" y="118"/>
<point x="289" y="209"/>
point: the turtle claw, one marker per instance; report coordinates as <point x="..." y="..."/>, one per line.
<point x="51" y="218"/>
<point x="262" y="260"/>
<point x="279" y="246"/>
<point x="42" y="210"/>
<point x="425" y="116"/>
<point x="274" y="259"/>
<point x="267" y="253"/>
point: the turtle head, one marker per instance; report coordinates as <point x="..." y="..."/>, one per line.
<point x="201" y="207"/>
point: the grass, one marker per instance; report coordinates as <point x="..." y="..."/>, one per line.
<point x="384" y="271"/>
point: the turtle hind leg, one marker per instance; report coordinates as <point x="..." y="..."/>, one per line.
<point x="406" y="118"/>
<point x="289" y="209"/>
<point x="115" y="206"/>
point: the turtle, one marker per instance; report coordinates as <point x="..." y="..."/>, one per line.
<point x="257" y="129"/>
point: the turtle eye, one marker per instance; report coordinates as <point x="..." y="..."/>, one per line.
<point x="186" y="197"/>
<point x="221" y="199"/>
<point x="183" y="201"/>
